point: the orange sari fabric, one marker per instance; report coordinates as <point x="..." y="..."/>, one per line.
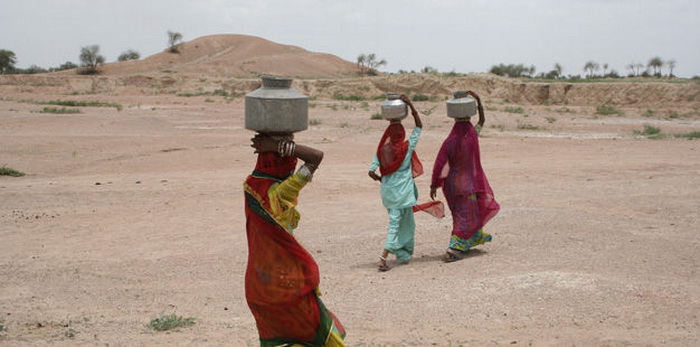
<point x="281" y="276"/>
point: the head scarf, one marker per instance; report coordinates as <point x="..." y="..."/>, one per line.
<point x="392" y="150"/>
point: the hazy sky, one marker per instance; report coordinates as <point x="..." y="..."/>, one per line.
<point x="449" y="35"/>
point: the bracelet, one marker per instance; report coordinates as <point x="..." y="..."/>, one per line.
<point x="286" y="148"/>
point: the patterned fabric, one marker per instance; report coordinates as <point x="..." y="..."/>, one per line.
<point x="463" y="245"/>
<point x="282" y="278"/>
<point x="458" y="171"/>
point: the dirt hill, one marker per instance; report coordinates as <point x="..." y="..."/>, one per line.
<point x="237" y="56"/>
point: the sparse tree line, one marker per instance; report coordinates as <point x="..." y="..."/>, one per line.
<point x="90" y="59"/>
<point x="367" y="64"/>
<point x="592" y="70"/>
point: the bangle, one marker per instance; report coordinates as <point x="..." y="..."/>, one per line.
<point x="286" y="148"/>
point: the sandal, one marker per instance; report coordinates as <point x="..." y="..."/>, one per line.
<point x="450" y="257"/>
<point x="383" y="267"/>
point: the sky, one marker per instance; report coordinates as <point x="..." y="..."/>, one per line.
<point x="464" y="36"/>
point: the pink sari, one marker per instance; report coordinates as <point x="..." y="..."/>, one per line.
<point x="458" y="171"/>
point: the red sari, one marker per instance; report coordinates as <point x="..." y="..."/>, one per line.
<point x="282" y="278"/>
<point x="458" y="171"/>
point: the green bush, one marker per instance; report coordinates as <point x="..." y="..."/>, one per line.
<point x="690" y="136"/>
<point x="169" y="322"/>
<point x="376" y="116"/>
<point x="74" y="103"/>
<point x="420" y="97"/>
<point x="61" y="110"/>
<point x="527" y="126"/>
<point x="607" y="110"/>
<point x="353" y="97"/>
<point x="514" y="109"/>
<point x="650" y="131"/>
<point x="6" y="171"/>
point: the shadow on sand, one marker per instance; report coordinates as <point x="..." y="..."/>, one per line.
<point x="472" y="253"/>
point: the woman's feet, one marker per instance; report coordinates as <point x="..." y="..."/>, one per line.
<point x="451" y="256"/>
<point x="383" y="266"/>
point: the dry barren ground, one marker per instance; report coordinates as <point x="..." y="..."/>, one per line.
<point x="125" y="215"/>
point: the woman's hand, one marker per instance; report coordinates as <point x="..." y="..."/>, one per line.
<point x="408" y="102"/>
<point x="433" y="192"/>
<point x="414" y="113"/>
<point x="374" y="176"/>
<point x="474" y="95"/>
<point x="263" y="143"/>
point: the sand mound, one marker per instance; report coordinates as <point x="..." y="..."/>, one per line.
<point x="236" y="56"/>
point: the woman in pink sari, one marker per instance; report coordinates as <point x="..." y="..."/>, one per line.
<point x="458" y="171"/>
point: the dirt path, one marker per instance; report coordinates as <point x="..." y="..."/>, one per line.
<point x="127" y="215"/>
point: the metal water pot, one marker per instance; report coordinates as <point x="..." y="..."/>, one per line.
<point x="276" y="108"/>
<point x="393" y="108"/>
<point x="461" y="106"/>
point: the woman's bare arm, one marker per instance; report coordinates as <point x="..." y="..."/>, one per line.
<point x="414" y="113"/>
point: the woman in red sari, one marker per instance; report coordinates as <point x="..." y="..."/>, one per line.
<point x="282" y="278"/>
<point x="458" y="171"/>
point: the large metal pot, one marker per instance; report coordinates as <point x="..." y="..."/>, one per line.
<point x="461" y="105"/>
<point x="276" y="108"/>
<point x="393" y="108"/>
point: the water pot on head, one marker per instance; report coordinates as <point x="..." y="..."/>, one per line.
<point x="393" y="108"/>
<point x="461" y="105"/>
<point x="276" y="108"/>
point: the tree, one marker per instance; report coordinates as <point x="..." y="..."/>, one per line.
<point x="671" y="64"/>
<point x="7" y="61"/>
<point x="369" y="63"/>
<point x="511" y="70"/>
<point x="129" y="55"/>
<point x="174" y="39"/>
<point x="591" y="67"/>
<point x="605" y="69"/>
<point x="361" y="61"/>
<point x="65" y="66"/>
<point x="429" y="69"/>
<point x="553" y="74"/>
<point x="91" y="59"/>
<point x="531" y="70"/>
<point x="34" y="69"/>
<point x="558" y="69"/>
<point x="373" y="63"/>
<point x="656" y="63"/>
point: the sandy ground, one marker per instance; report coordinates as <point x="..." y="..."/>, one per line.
<point x="125" y="215"/>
